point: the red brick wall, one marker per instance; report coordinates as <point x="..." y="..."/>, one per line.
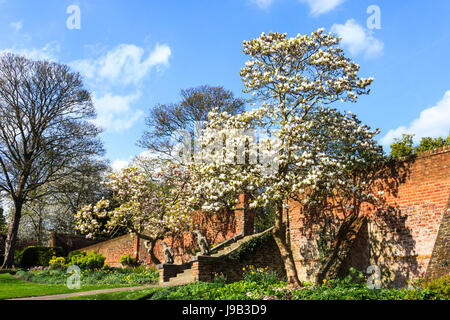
<point x="401" y="241"/>
<point x="217" y="228"/>
<point x="265" y="256"/>
<point x="113" y="249"/>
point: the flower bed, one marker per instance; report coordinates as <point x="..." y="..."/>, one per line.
<point x="132" y="276"/>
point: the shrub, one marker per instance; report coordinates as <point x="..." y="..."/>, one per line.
<point x="128" y="261"/>
<point x="73" y="254"/>
<point x="440" y="287"/>
<point x="18" y="254"/>
<point x="39" y="256"/>
<point x="402" y="147"/>
<point x="434" y="289"/>
<point x="57" y="263"/>
<point x="90" y="261"/>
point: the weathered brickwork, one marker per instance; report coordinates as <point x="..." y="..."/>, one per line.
<point x="267" y="255"/>
<point x="401" y="240"/>
<point x="440" y="259"/>
<point x="113" y="249"/>
<point x="218" y="228"/>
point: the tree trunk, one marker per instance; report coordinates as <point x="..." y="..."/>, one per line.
<point x="346" y="236"/>
<point x="279" y="235"/>
<point x="11" y="239"/>
<point x="150" y="245"/>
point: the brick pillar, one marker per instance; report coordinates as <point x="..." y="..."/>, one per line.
<point x="245" y="217"/>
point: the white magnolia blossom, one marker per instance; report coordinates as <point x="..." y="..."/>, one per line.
<point x="308" y="149"/>
<point x="148" y="205"/>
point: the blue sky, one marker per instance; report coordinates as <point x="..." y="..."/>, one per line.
<point x="134" y="54"/>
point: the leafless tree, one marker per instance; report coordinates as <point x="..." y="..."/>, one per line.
<point x="165" y="119"/>
<point x="44" y="128"/>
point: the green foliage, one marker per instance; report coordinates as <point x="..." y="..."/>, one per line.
<point x="13" y="287"/>
<point x="72" y="254"/>
<point x="260" y="275"/>
<point x="165" y="293"/>
<point x="255" y="287"/>
<point x="142" y="294"/>
<point x="404" y="147"/>
<point x="106" y="276"/>
<point x="37" y="256"/>
<point x="128" y="261"/>
<point x="3" y="224"/>
<point x="219" y="278"/>
<point x="427" y="144"/>
<point x="91" y="261"/>
<point x="434" y="289"/>
<point x="18" y="254"/>
<point x="249" y="247"/>
<point x="57" y="263"/>
<point x="264" y="218"/>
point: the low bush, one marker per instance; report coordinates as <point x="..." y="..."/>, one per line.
<point x="259" y="275"/>
<point x="38" y="256"/>
<point x="256" y="287"/>
<point x="73" y="254"/>
<point x="57" y="263"/>
<point x="88" y="261"/>
<point x="129" y="261"/>
<point x="92" y="276"/>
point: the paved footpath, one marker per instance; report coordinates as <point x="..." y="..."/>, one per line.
<point x="85" y="293"/>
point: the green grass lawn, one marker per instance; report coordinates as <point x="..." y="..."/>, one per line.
<point x="12" y="287"/>
<point x="125" y="295"/>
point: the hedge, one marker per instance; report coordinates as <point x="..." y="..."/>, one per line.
<point x="37" y="256"/>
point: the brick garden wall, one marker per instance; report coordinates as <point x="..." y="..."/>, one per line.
<point x="439" y="264"/>
<point x="266" y="255"/>
<point x="113" y="249"/>
<point x="216" y="229"/>
<point x="400" y="240"/>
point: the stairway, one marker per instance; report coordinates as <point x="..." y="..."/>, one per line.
<point x="235" y="245"/>
<point x="225" y="248"/>
<point x="184" y="277"/>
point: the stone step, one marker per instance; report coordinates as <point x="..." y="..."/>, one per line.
<point x="237" y="244"/>
<point x="181" y="278"/>
<point x="186" y="276"/>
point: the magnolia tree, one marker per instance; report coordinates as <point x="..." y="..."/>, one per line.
<point x="293" y="146"/>
<point x="148" y="205"/>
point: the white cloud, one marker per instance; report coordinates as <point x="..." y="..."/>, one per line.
<point x="126" y="64"/>
<point x="18" y="25"/>
<point x="319" y="7"/>
<point x="114" y="112"/>
<point x="119" y="164"/>
<point x="48" y="52"/>
<point x="432" y="122"/>
<point x="358" y="40"/>
<point x="263" y="4"/>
